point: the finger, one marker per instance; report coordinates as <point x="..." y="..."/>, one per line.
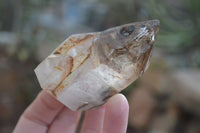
<point x="65" y="122"/>
<point x="38" y="116"/>
<point x="93" y="122"/>
<point x="116" y="115"/>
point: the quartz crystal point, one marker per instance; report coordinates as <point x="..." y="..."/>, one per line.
<point x="86" y="69"/>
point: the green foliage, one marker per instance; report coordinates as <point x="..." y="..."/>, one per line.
<point x="179" y="24"/>
<point x="179" y="29"/>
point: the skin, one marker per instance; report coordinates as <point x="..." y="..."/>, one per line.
<point x="46" y="114"/>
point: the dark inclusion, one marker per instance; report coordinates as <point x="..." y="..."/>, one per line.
<point x="108" y="93"/>
<point x="126" y="31"/>
<point x="56" y="53"/>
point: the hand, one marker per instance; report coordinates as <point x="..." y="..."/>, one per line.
<point x="46" y="114"/>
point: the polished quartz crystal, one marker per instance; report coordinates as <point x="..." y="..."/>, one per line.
<point x="87" y="69"/>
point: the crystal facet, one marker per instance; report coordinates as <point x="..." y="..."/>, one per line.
<point x="87" y="69"/>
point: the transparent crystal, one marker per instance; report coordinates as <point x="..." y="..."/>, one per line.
<point x="87" y="69"/>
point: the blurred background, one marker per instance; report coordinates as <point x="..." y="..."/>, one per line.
<point x="166" y="99"/>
